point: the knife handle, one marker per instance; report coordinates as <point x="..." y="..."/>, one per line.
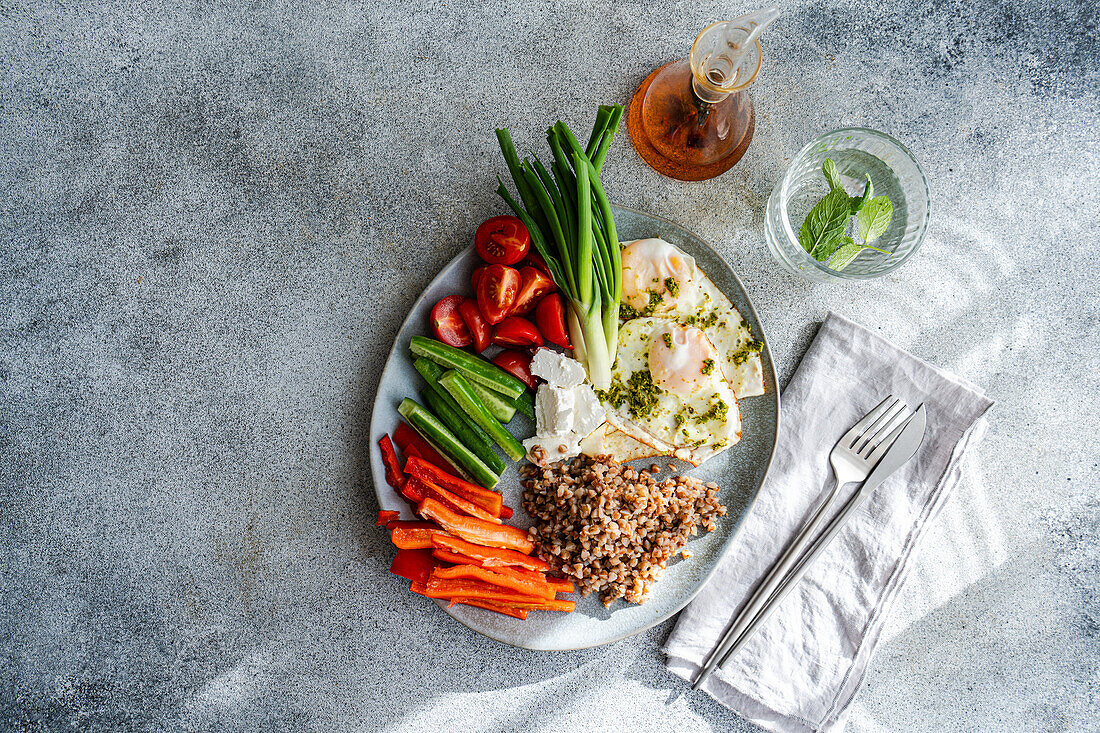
<point x="819" y="544"/>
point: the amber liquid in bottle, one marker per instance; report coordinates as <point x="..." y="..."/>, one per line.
<point x="680" y="135"/>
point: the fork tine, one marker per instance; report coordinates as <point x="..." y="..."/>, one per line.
<point x="877" y="426"/>
<point x="857" y="429"/>
<point x="880" y="451"/>
<point x="876" y="440"/>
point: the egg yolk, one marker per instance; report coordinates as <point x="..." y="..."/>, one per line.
<point x="647" y="265"/>
<point x="682" y="359"/>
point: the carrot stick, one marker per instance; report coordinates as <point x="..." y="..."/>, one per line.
<point x="475" y="530"/>
<point x="425" y="471"/>
<point x="514" y="581"/>
<point x="489" y="557"/>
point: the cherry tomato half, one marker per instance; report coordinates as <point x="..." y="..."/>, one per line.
<point x="475" y="278"/>
<point x="502" y="240"/>
<point x="518" y="364"/>
<point x="550" y="318"/>
<point x="533" y="285"/>
<point x="496" y="292"/>
<point x="516" y="331"/>
<point x="477" y="326"/>
<point x="534" y="259"/>
<point x="447" y="323"/>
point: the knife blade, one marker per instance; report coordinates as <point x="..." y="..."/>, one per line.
<point x="912" y="435"/>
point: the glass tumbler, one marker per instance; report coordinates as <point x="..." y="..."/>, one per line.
<point x="857" y="152"/>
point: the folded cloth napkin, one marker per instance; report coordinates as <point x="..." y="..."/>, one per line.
<point x="801" y="670"/>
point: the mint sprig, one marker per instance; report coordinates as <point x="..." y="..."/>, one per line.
<point x="823" y="232"/>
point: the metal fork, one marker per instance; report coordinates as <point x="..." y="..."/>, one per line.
<point x="852" y="459"/>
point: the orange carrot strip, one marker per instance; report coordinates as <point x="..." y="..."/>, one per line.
<point x="425" y="471"/>
<point x="490" y="557"/>
<point x="476" y="530"/>
<point x="514" y="581"/>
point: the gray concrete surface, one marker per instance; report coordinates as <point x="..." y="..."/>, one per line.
<point x="215" y="215"/>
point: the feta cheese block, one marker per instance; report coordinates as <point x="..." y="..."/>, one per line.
<point x="557" y="369"/>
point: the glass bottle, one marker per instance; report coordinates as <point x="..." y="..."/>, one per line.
<point x="692" y="119"/>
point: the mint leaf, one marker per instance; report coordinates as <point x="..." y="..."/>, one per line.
<point x="845" y="254"/>
<point x="874" y="218"/>
<point x="831" y="174"/>
<point x="868" y="191"/>
<point x="825" y="224"/>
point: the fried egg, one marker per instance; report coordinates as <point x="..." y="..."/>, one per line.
<point x="661" y="280"/>
<point x="669" y="392"/>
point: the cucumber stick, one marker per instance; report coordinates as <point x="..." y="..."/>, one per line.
<point x="460" y="389"/>
<point x="474" y="368"/>
<point x="456" y="423"/>
<point x="465" y="428"/>
<point x="525" y="403"/>
<point x="499" y="406"/>
<point x="437" y="433"/>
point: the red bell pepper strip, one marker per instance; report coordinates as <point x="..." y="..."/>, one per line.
<point x="505" y="512"/>
<point x="520" y="613"/>
<point x="476" y="530"/>
<point x="419" y="589"/>
<point x="385" y="517"/>
<point x="395" y="477"/>
<point x="405" y="436"/>
<point x="535" y="587"/>
<point x="425" y="471"/>
<point x="561" y="585"/>
<point x="555" y="605"/>
<point x="414" y="538"/>
<point x="416" y="565"/>
<point x="461" y="588"/>
<point x="489" y="557"/>
<point x="452" y="557"/>
<point x="455" y="502"/>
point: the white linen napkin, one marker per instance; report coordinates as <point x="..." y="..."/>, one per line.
<point x="803" y="667"/>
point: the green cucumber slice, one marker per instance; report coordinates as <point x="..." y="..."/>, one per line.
<point x="460" y="389"/>
<point x="456" y="423"/>
<point x="474" y="368"/>
<point x="444" y="440"/>
<point x="499" y="406"/>
<point x="477" y="437"/>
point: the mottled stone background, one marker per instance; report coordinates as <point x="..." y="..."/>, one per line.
<point x="214" y="216"/>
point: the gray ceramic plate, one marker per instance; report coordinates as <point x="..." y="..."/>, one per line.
<point x="739" y="471"/>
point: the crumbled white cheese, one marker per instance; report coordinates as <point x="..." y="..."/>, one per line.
<point x="588" y="413"/>
<point x="554" y="410"/>
<point x="557" y="369"/>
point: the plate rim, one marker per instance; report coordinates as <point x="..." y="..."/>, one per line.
<point x="741" y="520"/>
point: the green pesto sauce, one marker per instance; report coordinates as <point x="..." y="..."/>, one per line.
<point x="703" y="322"/>
<point x="628" y="312"/>
<point x="747" y="351"/>
<point x="708" y="366"/>
<point x="667" y="338"/>
<point x="672" y="286"/>
<point x="717" y="411"/>
<point x="639" y="394"/>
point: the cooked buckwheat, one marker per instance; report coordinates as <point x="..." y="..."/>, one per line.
<point x="611" y="528"/>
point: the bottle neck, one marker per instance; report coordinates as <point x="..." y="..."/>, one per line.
<point x="705" y="95"/>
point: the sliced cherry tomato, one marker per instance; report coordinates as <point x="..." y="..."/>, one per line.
<point x="533" y="285"/>
<point x="447" y="324"/>
<point x="534" y="259"/>
<point x="516" y="331"/>
<point x="496" y="292"/>
<point x="518" y="364"/>
<point x="475" y="278"/>
<point x="476" y="325"/>
<point x="502" y="240"/>
<point x="550" y="318"/>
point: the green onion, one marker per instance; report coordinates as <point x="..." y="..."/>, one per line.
<point x="569" y="217"/>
